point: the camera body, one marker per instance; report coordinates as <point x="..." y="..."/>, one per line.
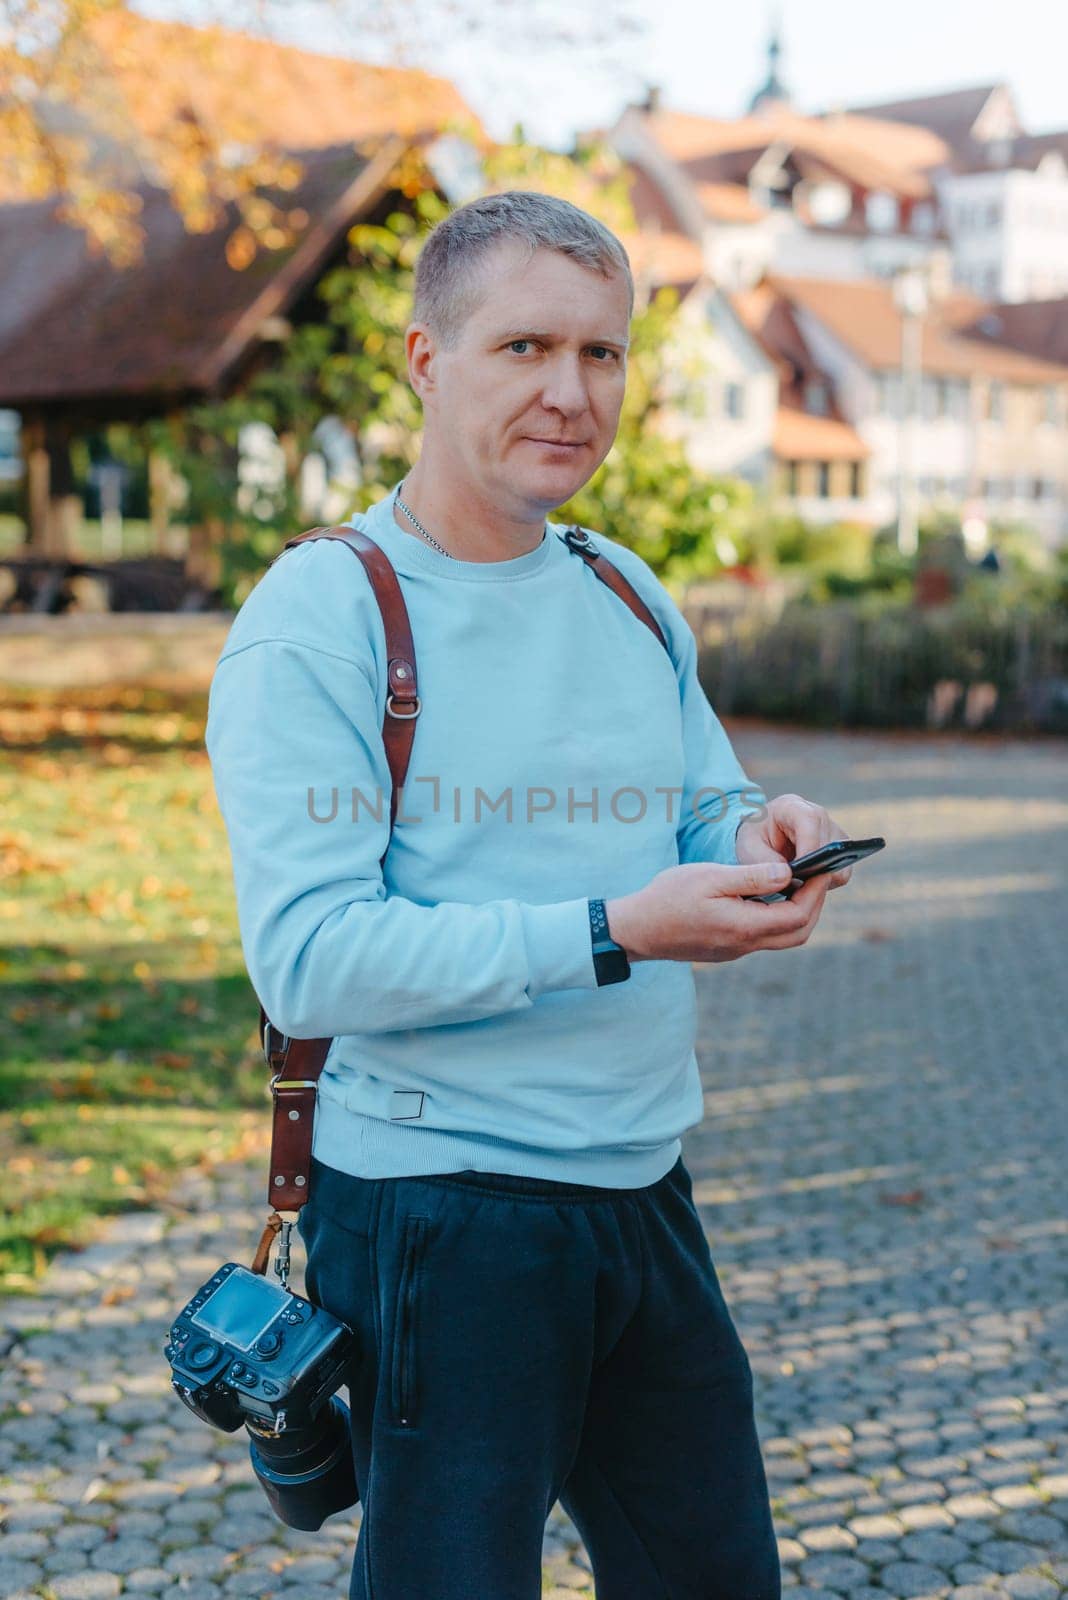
<point x="244" y="1349"/>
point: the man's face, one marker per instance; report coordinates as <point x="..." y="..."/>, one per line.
<point x="525" y="406"/>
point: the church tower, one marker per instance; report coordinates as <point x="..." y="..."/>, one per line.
<point x="773" y="94"/>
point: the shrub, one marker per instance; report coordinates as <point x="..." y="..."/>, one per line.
<point x="877" y="661"/>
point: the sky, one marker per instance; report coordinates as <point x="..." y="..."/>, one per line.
<point x="708" y="57"/>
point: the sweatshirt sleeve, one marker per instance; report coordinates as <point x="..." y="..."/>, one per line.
<point x="717" y="795"/>
<point x="329" y="952"/>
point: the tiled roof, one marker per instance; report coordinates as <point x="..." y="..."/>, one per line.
<point x="1037" y="327"/>
<point x="862" y="315"/>
<point x="178" y="321"/>
<point x="1029" y="149"/>
<point x="72" y="325"/>
<point x="767" y="317"/>
<point x="1022" y="153"/>
<point x="664" y="258"/>
<point x="729" y="202"/>
<point x="870" y="153"/>
<point x="651" y="206"/>
<point x="251" y="90"/>
<point x="952" y="114"/>
<point x="799" y="436"/>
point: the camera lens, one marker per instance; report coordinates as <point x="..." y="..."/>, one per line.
<point x="307" y="1473"/>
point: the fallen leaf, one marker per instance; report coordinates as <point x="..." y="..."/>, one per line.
<point x="173" y="1058"/>
<point x="121" y="1291"/>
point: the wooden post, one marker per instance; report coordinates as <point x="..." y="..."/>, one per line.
<point x="38" y="483"/>
<point x="159" y="499"/>
<point x="54" y="511"/>
<point x="66" y="509"/>
<point x="203" y="560"/>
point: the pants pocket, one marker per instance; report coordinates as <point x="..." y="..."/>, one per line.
<point x="404" y="1393"/>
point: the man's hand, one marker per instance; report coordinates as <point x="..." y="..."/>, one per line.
<point x="697" y="912"/>
<point x="792" y="827"/>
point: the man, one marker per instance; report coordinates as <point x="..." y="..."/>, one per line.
<point x="498" y="1203"/>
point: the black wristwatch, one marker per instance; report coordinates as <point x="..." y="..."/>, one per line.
<point x="609" y="958"/>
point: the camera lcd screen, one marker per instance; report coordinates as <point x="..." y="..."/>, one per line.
<point x="241" y="1304"/>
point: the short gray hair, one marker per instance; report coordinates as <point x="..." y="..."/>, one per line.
<point x="446" y="273"/>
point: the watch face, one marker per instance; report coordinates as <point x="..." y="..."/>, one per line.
<point x="611" y="966"/>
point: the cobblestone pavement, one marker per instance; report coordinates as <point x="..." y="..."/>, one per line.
<point x="881" y="1171"/>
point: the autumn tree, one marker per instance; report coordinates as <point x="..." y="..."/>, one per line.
<point x="97" y="100"/>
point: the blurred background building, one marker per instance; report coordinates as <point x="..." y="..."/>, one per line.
<point x="878" y="293"/>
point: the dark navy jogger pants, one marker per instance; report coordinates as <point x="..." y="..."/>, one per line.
<point x="523" y="1341"/>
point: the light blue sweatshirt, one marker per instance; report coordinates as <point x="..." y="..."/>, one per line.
<point x="457" y="983"/>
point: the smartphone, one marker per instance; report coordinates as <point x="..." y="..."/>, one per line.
<point x="828" y="858"/>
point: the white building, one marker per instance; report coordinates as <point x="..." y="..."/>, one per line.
<point x="1003" y="193"/>
<point x="797" y="226"/>
<point x="985" y="428"/>
<point x="843" y="198"/>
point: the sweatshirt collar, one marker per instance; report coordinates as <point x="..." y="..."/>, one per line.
<point x="411" y="554"/>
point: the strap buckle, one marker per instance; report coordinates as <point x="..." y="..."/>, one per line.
<point x="290" y="1083"/>
<point x="403" y="716"/>
<point x="269" y="1032"/>
<point x="578" y="540"/>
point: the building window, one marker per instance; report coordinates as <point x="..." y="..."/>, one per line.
<point x="734" y="401"/>
<point x="881" y="212"/>
<point x="792" y="477"/>
<point x="823" y="480"/>
<point x="1052" y="408"/>
<point x="856" y="479"/>
<point x="995" y="402"/>
<point x="934" y="399"/>
<point x="895" y="394"/>
<point x="958" y="399"/>
<point x="817" y="399"/>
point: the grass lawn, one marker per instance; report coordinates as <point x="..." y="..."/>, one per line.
<point x="128" y="1043"/>
<point x="137" y="539"/>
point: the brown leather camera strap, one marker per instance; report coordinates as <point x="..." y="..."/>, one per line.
<point x="579" y="543"/>
<point x="297" y="1063"/>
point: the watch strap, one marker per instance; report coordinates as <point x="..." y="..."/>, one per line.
<point x="609" y="958"/>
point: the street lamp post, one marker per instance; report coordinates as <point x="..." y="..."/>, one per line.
<point x="910" y="297"/>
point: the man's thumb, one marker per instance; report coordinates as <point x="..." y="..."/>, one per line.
<point x="760" y="876"/>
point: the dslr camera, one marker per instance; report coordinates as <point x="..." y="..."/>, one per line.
<point x="248" y="1351"/>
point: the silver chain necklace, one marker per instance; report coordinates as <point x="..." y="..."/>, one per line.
<point x="427" y="536"/>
